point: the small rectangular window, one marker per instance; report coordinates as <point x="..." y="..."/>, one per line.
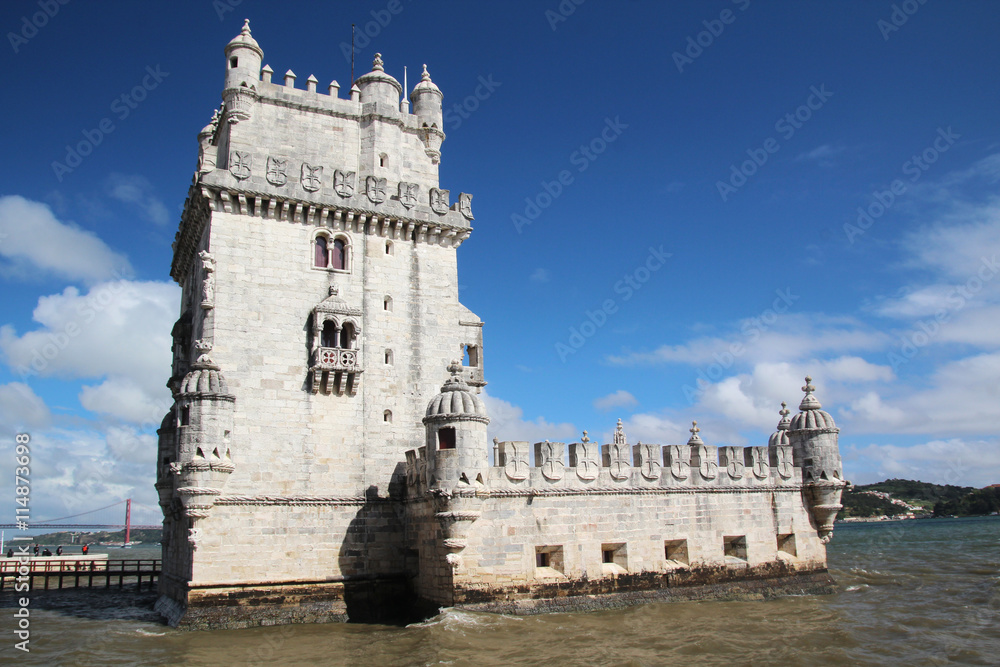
<point x="233" y="62"/>
<point x="735" y="546"/>
<point x="676" y="552"/>
<point x="786" y="544"/>
<point x="549" y="562"/>
<point x="186" y="415"/>
<point x="446" y="438"/>
<point x="614" y="558"/>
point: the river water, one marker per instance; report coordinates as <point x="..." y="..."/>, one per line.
<point x="924" y="592"/>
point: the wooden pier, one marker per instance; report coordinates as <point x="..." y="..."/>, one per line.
<point x="79" y="572"/>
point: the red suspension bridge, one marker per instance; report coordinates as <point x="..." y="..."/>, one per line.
<point x="100" y="522"/>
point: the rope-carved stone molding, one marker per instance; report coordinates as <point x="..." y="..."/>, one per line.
<point x="299" y="500"/>
<point x="617" y="491"/>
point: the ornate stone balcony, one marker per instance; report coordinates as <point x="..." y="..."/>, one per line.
<point x="336" y="370"/>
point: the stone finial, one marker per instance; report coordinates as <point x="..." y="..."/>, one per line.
<point x="266" y="74"/>
<point x="246" y="28"/>
<point x="334" y="88"/>
<point x="620" y="433"/>
<point x="203" y="346"/>
<point x="311" y="83"/>
<point x="809" y="402"/>
<point x="290" y="79"/>
<point x="455" y="367"/>
<point x="584" y="438"/>
<point x="377" y="65"/>
<point x="695" y="439"/>
<point x="334" y="290"/>
<point x="785" y="421"/>
<point x="426" y="76"/>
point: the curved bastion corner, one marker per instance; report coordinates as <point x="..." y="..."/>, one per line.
<point x="326" y="457"/>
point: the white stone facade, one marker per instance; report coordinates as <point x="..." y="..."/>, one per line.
<point x="301" y="462"/>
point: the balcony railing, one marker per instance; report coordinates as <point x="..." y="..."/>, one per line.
<point x="337" y="359"/>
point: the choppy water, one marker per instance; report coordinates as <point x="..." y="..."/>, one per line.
<point x="910" y="593"/>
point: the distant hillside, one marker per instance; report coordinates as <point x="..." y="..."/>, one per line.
<point x="78" y="537"/>
<point x="975" y="503"/>
<point x="924" y="493"/>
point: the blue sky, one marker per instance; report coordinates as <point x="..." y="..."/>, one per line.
<point x="681" y="210"/>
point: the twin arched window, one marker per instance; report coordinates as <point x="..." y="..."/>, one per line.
<point x="331" y="255"/>
<point x="344" y="337"/>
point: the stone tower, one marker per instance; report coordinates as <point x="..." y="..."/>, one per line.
<point x="323" y="460"/>
<point x="317" y="257"/>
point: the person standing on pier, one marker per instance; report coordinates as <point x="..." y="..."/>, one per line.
<point x="59" y="551"/>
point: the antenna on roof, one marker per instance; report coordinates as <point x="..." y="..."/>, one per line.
<point x="352" y="55"/>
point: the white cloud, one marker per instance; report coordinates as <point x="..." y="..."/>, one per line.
<point x="21" y="409"/>
<point x="618" y="399"/>
<point x="539" y="276"/>
<point x="822" y="155"/>
<point x="34" y="239"/>
<point x="766" y="338"/>
<point x="137" y="190"/>
<point x="118" y="330"/>
<point x="507" y="423"/>
<point x="123" y="398"/>
<point x="953" y="461"/>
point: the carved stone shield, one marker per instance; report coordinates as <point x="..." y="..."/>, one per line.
<point x="439" y="200"/>
<point x="312" y="177"/>
<point x="465" y="204"/>
<point x="680" y="464"/>
<point x="239" y="164"/>
<point x="516" y="465"/>
<point x="343" y="183"/>
<point x="551" y="456"/>
<point x="650" y="467"/>
<point x="734" y="462"/>
<point x="276" y="171"/>
<point x="375" y="189"/>
<point x="408" y="194"/>
<point x="586" y="460"/>
<point x="759" y="458"/>
<point x="618" y="464"/>
<point x="707" y="467"/>
<point x="784" y="456"/>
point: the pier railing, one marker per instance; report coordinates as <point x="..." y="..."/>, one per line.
<point x="78" y="573"/>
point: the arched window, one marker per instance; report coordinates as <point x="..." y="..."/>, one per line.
<point x="388" y="247"/>
<point x="322" y="256"/>
<point x="387" y="303"/>
<point x="387" y="416"/>
<point x="338" y="255"/>
<point x="383" y="160"/>
<point x="329" y="337"/>
<point x="388" y="357"/>
<point x="347" y="336"/>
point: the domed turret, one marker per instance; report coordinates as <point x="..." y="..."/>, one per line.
<point x="780" y="436"/>
<point x="455" y="425"/>
<point x="426" y="98"/>
<point x="813" y="436"/>
<point x="243" y="58"/>
<point x="377" y="86"/>
<point x="204" y="408"/>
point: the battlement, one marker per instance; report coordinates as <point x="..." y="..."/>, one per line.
<point x="550" y="466"/>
